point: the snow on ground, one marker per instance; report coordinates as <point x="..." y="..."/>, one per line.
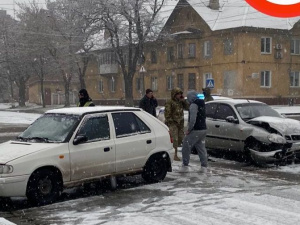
<point x="224" y="197"/>
<point x="17" y="117"/>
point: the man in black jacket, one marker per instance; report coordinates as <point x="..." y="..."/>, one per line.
<point x="149" y="103"/>
<point x="196" y="132"/>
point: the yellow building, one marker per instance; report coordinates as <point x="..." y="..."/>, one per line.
<point x="243" y="52"/>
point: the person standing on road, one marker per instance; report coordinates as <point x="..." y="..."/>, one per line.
<point x="84" y="99"/>
<point x="174" y="117"/>
<point x="196" y="131"/>
<point x="207" y="95"/>
<point x="149" y="103"/>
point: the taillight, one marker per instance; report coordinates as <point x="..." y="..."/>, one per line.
<point x="171" y="139"/>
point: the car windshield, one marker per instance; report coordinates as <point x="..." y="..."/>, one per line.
<point x="252" y="110"/>
<point x="50" y="128"/>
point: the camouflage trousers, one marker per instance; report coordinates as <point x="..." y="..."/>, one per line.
<point x="177" y="134"/>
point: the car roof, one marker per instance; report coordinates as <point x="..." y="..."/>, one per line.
<point x="234" y="101"/>
<point x="95" y="109"/>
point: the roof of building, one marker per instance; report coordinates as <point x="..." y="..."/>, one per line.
<point x="238" y="13"/>
<point x="232" y="14"/>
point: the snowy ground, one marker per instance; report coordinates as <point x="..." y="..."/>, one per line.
<point x="225" y="196"/>
<point x="222" y="197"/>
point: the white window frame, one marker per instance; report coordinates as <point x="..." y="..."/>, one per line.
<point x="154" y="83"/>
<point x="112" y="85"/>
<point x="180" y="51"/>
<point x="263" y="77"/>
<point x="296" y="51"/>
<point x="294" y="76"/>
<point x="101" y="87"/>
<point x="264" y="43"/>
<point x="170" y="82"/>
<point x="192" y="50"/>
<point x="207" y="48"/>
<point x="205" y="77"/>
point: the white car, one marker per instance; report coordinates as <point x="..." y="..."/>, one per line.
<point x="67" y="147"/>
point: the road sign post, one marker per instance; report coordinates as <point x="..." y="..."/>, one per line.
<point x="210" y="83"/>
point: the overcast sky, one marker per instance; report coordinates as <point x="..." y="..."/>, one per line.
<point x="10" y="5"/>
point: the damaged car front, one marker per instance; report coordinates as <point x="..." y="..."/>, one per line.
<point x="253" y="129"/>
<point x="281" y="143"/>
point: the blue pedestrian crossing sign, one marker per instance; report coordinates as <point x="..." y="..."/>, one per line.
<point x="210" y="83"/>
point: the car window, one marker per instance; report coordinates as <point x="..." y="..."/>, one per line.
<point x="223" y="111"/>
<point x="251" y="110"/>
<point x="127" y="123"/>
<point x="95" y="128"/>
<point x="210" y="110"/>
<point x="51" y="127"/>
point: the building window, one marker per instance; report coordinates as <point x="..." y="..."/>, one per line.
<point x="101" y="86"/>
<point x="154" y="84"/>
<point x="180" y="51"/>
<point x="153" y="57"/>
<point x="228" y="47"/>
<point x="170" y="81"/>
<point x="192" y="50"/>
<point x="180" y="82"/>
<point x="207" y="49"/>
<point x="265" y="79"/>
<point x="138" y="84"/>
<point x="192" y="81"/>
<point x="170" y="54"/>
<point x="205" y="77"/>
<point x="112" y="84"/>
<point x="294" y="79"/>
<point x="266" y="43"/>
<point x="295" y="46"/>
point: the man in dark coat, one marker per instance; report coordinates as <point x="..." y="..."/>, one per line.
<point x="149" y="103"/>
<point x="196" y="132"/>
<point x="84" y="99"/>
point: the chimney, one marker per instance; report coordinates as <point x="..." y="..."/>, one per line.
<point x="214" y="4"/>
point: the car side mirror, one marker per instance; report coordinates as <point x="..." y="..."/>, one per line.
<point x="231" y="119"/>
<point x="80" y="139"/>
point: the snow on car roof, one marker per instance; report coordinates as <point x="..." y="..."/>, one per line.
<point x="235" y="101"/>
<point x="83" y="110"/>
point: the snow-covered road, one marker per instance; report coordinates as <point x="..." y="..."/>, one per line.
<point x="225" y="196"/>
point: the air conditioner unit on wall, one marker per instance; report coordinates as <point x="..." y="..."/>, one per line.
<point x="278" y="46"/>
<point x="278" y="55"/>
<point x="254" y="75"/>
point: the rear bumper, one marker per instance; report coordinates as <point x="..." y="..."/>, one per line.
<point x="13" y="186"/>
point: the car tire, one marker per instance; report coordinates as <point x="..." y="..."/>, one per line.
<point x="44" y="187"/>
<point x="155" y="169"/>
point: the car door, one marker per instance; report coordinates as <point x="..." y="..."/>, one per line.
<point x="227" y="134"/>
<point x="96" y="156"/>
<point x="211" y="133"/>
<point x="134" y="140"/>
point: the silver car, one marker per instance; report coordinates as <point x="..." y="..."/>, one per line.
<point x="251" y="127"/>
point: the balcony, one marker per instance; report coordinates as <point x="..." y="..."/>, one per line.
<point x="106" y="69"/>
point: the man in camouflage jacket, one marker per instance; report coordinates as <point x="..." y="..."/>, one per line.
<point x="174" y="117"/>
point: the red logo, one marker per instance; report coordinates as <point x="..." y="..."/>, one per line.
<point x="277" y="8"/>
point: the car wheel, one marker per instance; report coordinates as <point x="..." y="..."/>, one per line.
<point x="155" y="169"/>
<point x="44" y="187"/>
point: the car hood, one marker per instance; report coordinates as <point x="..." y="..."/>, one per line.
<point x="14" y="149"/>
<point x="282" y="125"/>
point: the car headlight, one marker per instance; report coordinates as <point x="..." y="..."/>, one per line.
<point x="5" y="169"/>
<point x="275" y="138"/>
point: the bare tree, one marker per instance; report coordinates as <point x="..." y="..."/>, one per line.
<point x="67" y="38"/>
<point x="129" y="24"/>
<point x="35" y="19"/>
